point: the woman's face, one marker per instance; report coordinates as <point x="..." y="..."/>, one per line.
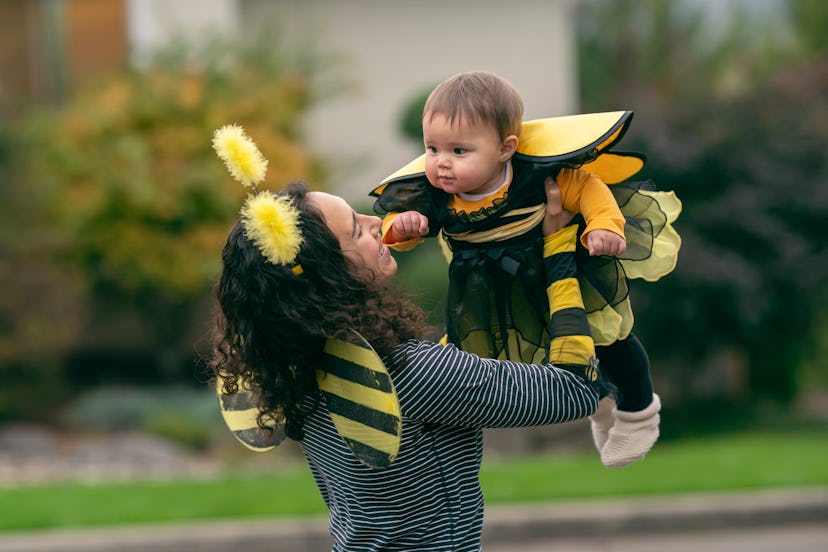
<point x="358" y="235"/>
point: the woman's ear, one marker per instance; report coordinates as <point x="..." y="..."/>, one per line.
<point x="508" y="147"/>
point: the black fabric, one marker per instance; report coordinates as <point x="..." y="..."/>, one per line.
<point x="381" y="421"/>
<point x="497" y="292"/>
<point x="565" y="324"/>
<point x="493" y="291"/>
<point x="351" y="371"/>
<point x="626" y="364"/>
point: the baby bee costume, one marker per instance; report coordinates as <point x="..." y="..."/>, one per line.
<point x="513" y="293"/>
<point x="497" y="303"/>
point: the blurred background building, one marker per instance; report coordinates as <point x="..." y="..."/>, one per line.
<point x="391" y="51"/>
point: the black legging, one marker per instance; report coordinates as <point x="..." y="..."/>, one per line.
<point x="626" y="364"/>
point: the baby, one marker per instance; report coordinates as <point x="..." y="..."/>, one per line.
<point x="513" y="293"/>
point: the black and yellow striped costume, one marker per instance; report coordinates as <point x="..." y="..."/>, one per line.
<point x="358" y="393"/>
<point x="513" y="294"/>
<point x="430" y="497"/>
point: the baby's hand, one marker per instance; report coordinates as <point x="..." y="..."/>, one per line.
<point x="407" y="225"/>
<point x="604" y="242"/>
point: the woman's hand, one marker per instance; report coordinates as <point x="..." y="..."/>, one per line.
<point x="556" y="216"/>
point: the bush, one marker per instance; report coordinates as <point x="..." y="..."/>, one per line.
<point x="737" y="128"/>
<point x="188" y="416"/>
<point x="117" y="208"/>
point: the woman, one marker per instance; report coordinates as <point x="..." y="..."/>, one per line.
<point x="274" y="319"/>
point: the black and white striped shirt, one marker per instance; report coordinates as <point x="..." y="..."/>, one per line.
<point x="430" y="498"/>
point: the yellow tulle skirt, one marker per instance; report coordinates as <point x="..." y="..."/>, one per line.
<point x="497" y="305"/>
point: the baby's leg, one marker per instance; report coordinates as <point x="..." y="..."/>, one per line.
<point x="636" y="425"/>
<point x="571" y="342"/>
<point x="627" y="365"/>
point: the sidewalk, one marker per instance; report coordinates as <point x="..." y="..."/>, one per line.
<point x="514" y="524"/>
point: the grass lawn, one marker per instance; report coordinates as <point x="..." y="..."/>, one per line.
<point x="722" y="463"/>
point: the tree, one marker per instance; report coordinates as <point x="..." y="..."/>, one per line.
<point x="120" y="200"/>
<point x="737" y="134"/>
<point x="810" y="18"/>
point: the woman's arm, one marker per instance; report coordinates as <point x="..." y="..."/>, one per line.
<point x="442" y="384"/>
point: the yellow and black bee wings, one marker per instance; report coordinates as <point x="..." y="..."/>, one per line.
<point x="571" y="140"/>
<point x="360" y="397"/>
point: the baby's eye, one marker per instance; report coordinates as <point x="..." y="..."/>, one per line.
<point x="432" y="149"/>
<point x="459" y="151"/>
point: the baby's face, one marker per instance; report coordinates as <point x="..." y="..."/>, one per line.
<point x="463" y="157"/>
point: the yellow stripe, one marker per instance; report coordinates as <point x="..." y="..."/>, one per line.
<point x="611" y="139"/>
<point x="525" y="210"/>
<point x="571" y="349"/>
<point x="238" y="420"/>
<point x="372" y="398"/>
<point x="356" y="354"/>
<point x="564" y="294"/>
<point x="350" y="429"/>
<point x="562" y="241"/>
<point x="506" y="231"/>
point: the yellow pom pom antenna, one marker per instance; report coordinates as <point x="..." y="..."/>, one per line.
<point x="272" y="223"/>
<point x="240" y="154"/>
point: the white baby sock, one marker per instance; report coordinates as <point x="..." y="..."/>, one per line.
<point x="601" y="422"/>
<point x="632" y="435"/>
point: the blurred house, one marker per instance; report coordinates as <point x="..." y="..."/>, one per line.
<point x="394" y="51"/>
<point x="47" y="47"/>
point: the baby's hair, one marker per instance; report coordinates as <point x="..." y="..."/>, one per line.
<point x="477" y="96"/>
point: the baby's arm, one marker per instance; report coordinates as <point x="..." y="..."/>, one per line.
<point x="587" y="194"/>
<point x="402" y="231"/>
<point x="407" y="225"/>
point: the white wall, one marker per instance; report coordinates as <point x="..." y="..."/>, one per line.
<point x="154" y="23"/>
<point x="398" y="48"/>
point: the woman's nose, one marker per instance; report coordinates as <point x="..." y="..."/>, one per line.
<point x="375" y="223"/>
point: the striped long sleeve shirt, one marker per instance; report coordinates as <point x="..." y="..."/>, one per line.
<point x="430" y="497"/>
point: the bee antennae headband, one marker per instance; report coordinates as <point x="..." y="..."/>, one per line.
<point x="270" y="221"/>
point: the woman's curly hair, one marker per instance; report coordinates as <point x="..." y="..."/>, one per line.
<point x="271" y="325"/>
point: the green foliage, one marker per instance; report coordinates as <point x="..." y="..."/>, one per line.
<point x="732" y="462"/>
<point x="114" y="207"/>
<point x="181" y="430"/>
<point x="133" y="183"/>
<point x="810" y="20"/>
<point x="423" y="274"/>
<point x="411" y="118"/>
<point x="186" y="416"/>
<point x="740" y="137"/>
<point x="75" y="505"/>
<point x="31" y="387"/>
